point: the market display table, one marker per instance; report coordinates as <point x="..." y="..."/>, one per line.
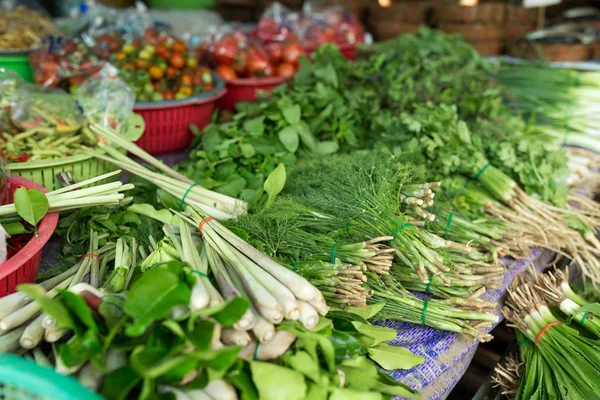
<point x="447" y="355"/>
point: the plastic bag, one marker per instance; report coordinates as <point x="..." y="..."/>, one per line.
<point x="23" y="27"/>
<point x="9" y="82"/>
<point x="276" y="24"/>
<point x="38" y="107"/>
<point x="106" y="99"/>
<point x="322" y="25"/>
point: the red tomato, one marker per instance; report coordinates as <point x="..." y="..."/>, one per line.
<point x="292" y="52"/>
<point x="275" y="52"/>
<point x="226" y="72"/>
<point x="168" y="96"/>
<point x="187" y="80"/>
<point x="178" y="46"/>
<point x="285" y="70"/>
<point x="171" y="72"/>
<point x="156" y="73"/>
<point x="177" y="61"/>
<point x="225" y="51"/>
<point x="162" y="51"/>
<point x="140" y="63"/>
<point x="259" y="66"/>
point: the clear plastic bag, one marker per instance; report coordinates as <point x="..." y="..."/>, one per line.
<point x="9" y="82"/>
<point x="35" y="107"/>
<point x="106" y="99"/>
<point x="333" y="24"/>
<point x="276" y="24"/>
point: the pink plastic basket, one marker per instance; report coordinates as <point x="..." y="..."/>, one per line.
<point x="167" y="122"/>
<point x="23" y="266"/>
<point x="247" y="90"/>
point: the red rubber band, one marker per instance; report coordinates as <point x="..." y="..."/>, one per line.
<point x="96" y="256"/>
<point x="204" y="221"/>
<point x="544" y="329"/>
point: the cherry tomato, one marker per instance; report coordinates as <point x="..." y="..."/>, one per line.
<point x="259" y="66"/>
<point x="226" y="72"/>
<point x="178" y="46"/>
<point x="241" y="63"/>
<point x="168" y="96"/>
<point x="187" y="80"/>
<point x="120" y="57"/>
<point x="275" y="52"/>
<point x="140" y="63"/>
<point x="128" y="65"/>
<point x="177" y="61"/>
<point x="225" y="51"/>
<point x="185" y="91"/>
<point x="163" y="52"/>
<point x="292" y="52"/>
<point x="171" y="72"/>
<point x="285" y="70"/>
<point x="192" y="62"/>
<point x="156" y="73"/>
<point x="23" y="157"/>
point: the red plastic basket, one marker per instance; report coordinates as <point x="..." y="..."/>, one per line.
<point x="23" y="266"/>
<point x="167" y="122"/>
<point x="247" y="90"/>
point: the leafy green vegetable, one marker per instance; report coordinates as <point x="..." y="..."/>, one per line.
<point x="31" y="205"/>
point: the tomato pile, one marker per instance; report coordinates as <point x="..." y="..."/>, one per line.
<point x="160" y="67"/>
<point x="237" y="55"/>
<point x="156" y="66"/>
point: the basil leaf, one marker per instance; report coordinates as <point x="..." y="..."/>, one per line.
<point x="289" y="138"/>
<point x="31" y="204"/>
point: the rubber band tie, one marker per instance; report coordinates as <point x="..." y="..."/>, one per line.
<point x="523" y="341"/>
<point x="96" y="256"/>
<point x="204" y="221"/>
<point x="429" y="284"/>
<point x="194" y="271"/>
<point x="397" y="231"/>
<point x="482" y="170"/>
<point x="256" y="351"/>
<point x="544" y="329"/>
<point x="332" y="255"/>
<point x="585" y="315"/>
<point x="448" y="224"/>
<point x="185" y="195"/>
<point x="424" y="313"/>
<point x="348" y="228"/>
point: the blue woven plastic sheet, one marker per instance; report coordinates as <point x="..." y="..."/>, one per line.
<point x="447" y="355"/>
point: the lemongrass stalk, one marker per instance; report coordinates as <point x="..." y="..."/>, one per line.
<point x="106" y="188"/>
<point x="33" y="333"/>
<point x="220" y="390"/>
<point x="263" y="330"/>
<point x="198" y="394"/>
<point x="90" y="377"/>
<point x="9" y="341"/>
<point x="83" y="183"/>
<point x="300" y="287"/>
<point x="40" y="358"/>
<point x="114" y="360"/>
<point x="234" y="337"/>
<point x="200" y="297"/>
<point x="308" y="315"/>
<point x="54" y="334"/>
<point x="275" y="348"/>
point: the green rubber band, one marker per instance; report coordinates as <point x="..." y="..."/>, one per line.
<point x="585" y="315"/>
<point x="347" y="228"/>
<point x="429" y="284"/>
<point x="523" y="341"/>
<point x="295" y="265"/>
<point x="185" y="195"/>
<point x="448" y="224"/>
<point x="256" y="351"/>
<point x="481" y="170"/>
<point x="398" y="230"/>
<point x="199" y="273"/>
<point x="332" y="255"/>
<point x="424" y="313"/>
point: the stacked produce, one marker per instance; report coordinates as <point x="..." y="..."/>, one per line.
<point x="558" y="334"/>
<point x="22" y="29"/>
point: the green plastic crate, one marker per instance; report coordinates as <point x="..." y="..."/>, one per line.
<point x="44" y="172"/>
<point x="22" y="379"/>
<point x="19" y="64"/>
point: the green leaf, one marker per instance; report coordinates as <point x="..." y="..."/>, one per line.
<point x="241" y="379"/>
<point x="152" y="297"/>
<point x="379" y="333"/>
<point x="211" y="139"/>
<point x="247" y="150"/>
<point x="292" y="114"/>
<point x="163" y="215"/>
<point x="31" y="205"/>
<point x="155" y="362"/>
<point x="233" y="188"/>
<point x="360" y="373"/>
<point x="367" y="312"/>
<point x="79" y="308"/>
<point x="305" y="364"/>
<point x="134" y="127"/>
<point x="390" y="386"/>
<point x="327" y="147"/>
<point x="274" y="382"/>
<point x="119" y="383"/>
<point x="255" y="127"/>
<point x="202" y="334"/>
<point x="226" y="313"/>
<point x="306" y="136"/>
<point x="394" y="357"/>
<point x="349" y="394"/>
<point x="289" y="138"/>
<point x="14" y="228"/>
<point x="52" y="306"/>
<point x="82" y="348"/>
<point x="274" y="184"/>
